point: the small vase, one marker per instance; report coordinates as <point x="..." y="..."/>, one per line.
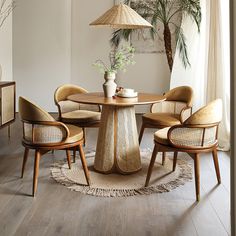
<point x="109" y="87"/>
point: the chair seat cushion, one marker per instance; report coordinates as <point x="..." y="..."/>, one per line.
<point x="81" y="116"/>
<point x="160" y="136"/>
<point x="76" y="133"/>
<point x="161" y="119"/>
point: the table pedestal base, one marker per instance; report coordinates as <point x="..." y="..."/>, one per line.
<point x="117" y="146"/>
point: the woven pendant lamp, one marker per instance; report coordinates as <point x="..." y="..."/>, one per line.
<point x="122" y="16"/>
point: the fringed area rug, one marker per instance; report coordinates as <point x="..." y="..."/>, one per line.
<point x="117" y="185"/>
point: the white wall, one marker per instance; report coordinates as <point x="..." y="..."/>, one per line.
<point x="53" y="45"/>
<point x="6" y="49"/>
<point x="41" y="48"/>
<point x="150" y="74"/>
<point x="88" y="43"/>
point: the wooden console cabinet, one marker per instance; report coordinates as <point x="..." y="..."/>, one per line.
<point x="7" y="103"/>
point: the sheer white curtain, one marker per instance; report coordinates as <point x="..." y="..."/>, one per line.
<point x="193" y="76"/>
<point x="209" y="58"/>
<point x="218" y="65"/>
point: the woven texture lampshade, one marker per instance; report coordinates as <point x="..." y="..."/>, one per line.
<point x="122" y="17"/>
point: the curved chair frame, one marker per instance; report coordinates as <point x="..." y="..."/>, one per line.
<point x="174" y="95"/>
<point x="193" y="150"/>
<point x="42" y="147"/>
<point x="61" y="96"/>
<point x="171" y="96"/>
<point x="72" y="89"/>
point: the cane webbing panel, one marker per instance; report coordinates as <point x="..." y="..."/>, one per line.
<point x="193" y="137"/>
<point x="168" y="107"/>
<point x="8" y="103"/>
<point x="44" y="133"/>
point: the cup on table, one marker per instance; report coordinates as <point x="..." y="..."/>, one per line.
<point x="127" y="91"/>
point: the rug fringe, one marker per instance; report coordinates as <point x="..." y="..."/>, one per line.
<point x="185" y="175"/>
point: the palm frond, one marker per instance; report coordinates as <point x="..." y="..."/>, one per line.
<point x="192" y="8"/>
<point x="5" y="10"/>
<point x="127" y="2"/>
<point x="181" y="45"/>
<point x="164" y="10"/>
<point x="158" y="11"/>
<point x="118" y="35"/>
<point x="143" y="7"/>
<point x="170" y="7"/>
<point x="154" y="23"/>
<point x="149" y="9"/>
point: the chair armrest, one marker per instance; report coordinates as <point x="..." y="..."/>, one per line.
<point x="185" y="114"/>
<point x="193" y="137"/>
<point x="45" y="132"/>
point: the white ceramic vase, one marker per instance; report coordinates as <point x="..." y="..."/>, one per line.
<point x="109" y="87"/>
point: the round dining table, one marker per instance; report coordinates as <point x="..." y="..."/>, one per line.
<point x="117" y="144"/>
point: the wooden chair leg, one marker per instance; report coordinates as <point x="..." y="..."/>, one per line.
<point x="68" y="158"/>
<point x="216" y="163"/>
<point x="163" y="158"/>
<point x="84" y="131"/>
<point x="36" y="171"/>
<point x="26" y="153"/>
<point x="197" y="175"/>
<point x="74" y="154"/>
<point x="175" y="160"/>
<point x="154" y="155"/>
<point x="84" y="164"/>
<point x="141" y="133"/>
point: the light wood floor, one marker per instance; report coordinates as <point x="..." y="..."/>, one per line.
<point x="58" y="211"/>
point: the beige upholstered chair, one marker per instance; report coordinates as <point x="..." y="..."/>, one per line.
<point x="43" y="133"/>
<point x="70" y="112"/>
<point x="196" y="135"/>
<point x="173" y="111"/>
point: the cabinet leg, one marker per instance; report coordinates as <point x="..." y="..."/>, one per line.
<point x="9" y="131"/>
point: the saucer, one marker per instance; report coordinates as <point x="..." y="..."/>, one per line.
<point x="126" y="95"/>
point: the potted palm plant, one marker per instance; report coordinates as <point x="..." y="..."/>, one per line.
<point x="164" y="12"/>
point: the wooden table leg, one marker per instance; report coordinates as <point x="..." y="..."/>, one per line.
<point x="117" y="145"/>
